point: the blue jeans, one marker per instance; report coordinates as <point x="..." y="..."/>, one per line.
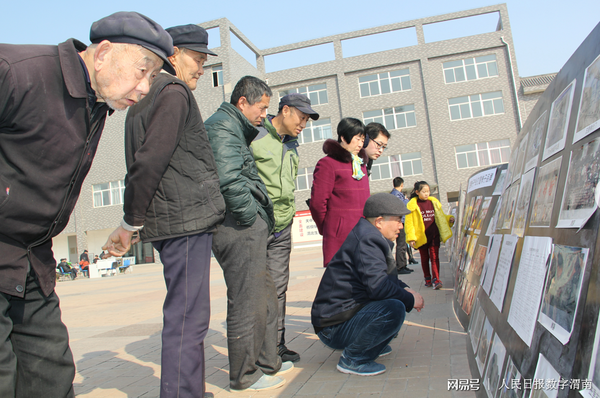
<point x="366" y="334"/>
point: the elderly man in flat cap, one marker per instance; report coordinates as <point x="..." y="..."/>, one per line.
<point x="360" y="303"/>
<point x="53" y="104"/>
<point x="172" y="197"/>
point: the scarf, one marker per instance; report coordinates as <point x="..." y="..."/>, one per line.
<point x="357" y="173"/>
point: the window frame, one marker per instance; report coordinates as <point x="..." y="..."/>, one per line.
<point x="310" y="125"/>
<point x="502" y="147"/>
<point x="396" y="166"/>
<point x="473" y="62"/>
<point x="476" y="107"/>
<point x="320" y="94"/>
<point x="111" y="191"/>
<point x="392" y="115"/>
<point x="401" y="77"/>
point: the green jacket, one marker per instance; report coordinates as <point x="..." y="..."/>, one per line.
<point x="277" y="163"/>
<point x="230" y="134"/>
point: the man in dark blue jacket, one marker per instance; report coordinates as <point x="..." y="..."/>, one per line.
<point x="360" y="304"/>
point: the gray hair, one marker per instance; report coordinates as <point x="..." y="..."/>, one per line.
<point x="252" y="88"/>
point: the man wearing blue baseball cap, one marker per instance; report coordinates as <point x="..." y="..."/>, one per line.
<point x="54" y="101"/>
<point x="172" y="197"/>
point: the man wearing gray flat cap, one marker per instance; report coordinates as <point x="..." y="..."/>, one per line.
<point x="360" y="303"/>
<point x="54" y="101"/>
<point x="172" y="198"/>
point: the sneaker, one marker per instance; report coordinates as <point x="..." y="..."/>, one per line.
<point x="387" y="350"/>
<point x="287" y="355"/>
<point x="437" y="284"/>
<point x="265" y="382"/>
<point x="428" y="283"/>
<point x="286" y="367"/>
<point x="403" y="271"/>
<point x="366" y="369"/>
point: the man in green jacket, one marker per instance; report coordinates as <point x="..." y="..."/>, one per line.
<point x="276" y="157"/>
<point x="240" y="243"/>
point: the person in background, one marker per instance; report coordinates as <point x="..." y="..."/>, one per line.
<point x="376" y="141"/>
<point x="276" y="156"/>
<point x="401" y="260"/>
<point x="340" y="186"/>
<point x="172" y="198"/>
<point x="426" y="227"/>
<point x="360" y="303"/>
<point x="54" y="101"/>
<point x="66" y="268"/>
<point x="240" y="242"/>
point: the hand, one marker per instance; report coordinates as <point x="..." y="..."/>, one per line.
<point x="119" y="242"/>
<point x="452" y="219"/>
<point x="419" y="302"/>
<point x="412" y="243"/>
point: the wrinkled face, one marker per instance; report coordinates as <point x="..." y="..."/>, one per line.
<point x="189" y="65"/>
<point x="376" y="146"/>
<point x="424" y="192"/>
<point x="294" y="121"/>
<point x="124" y="73"/>
<point x="256" y="112"/>
<point x="390" y="227"/>
<point x="355" y="145"/>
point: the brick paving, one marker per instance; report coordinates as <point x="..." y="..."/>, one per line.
<point x="115" y="322"/>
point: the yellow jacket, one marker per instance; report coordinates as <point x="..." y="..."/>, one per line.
<point x="414" y="227"/>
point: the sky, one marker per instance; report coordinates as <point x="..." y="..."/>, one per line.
<point x="545" y="33"/>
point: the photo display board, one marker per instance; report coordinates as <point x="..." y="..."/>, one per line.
<point x="527" y="275"/>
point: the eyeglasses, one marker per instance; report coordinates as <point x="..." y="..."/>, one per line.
<point x="380" y="145"/>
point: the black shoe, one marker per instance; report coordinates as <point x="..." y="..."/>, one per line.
<point x="287" y="355"/>
<point x="209" y="395"/>
<point x="413" y="262"/>
<point x="403" y="271"/>
<point x="409" y="269"/>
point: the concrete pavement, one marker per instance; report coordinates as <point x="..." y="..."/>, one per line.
<point x="115" y="322"/>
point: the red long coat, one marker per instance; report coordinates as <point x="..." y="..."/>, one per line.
<point x="337" y="199"/>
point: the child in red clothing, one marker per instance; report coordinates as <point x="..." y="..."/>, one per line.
<point x="426" y="227"/>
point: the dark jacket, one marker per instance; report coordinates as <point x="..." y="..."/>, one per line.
<point x="230" y="134"/>
<point x="360" y="272"/>
<point x="48" y="137"/>
<point x="172" y="185"/>
<point x="337" y="199"/>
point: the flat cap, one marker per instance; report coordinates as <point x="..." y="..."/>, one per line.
<point x="190" y="36"/>
<point x="384" y="204"/>
<point x="300" y="102"/>
<point x="134" y="28"/>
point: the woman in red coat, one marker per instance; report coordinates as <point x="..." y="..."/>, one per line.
<point x="340" y="186"/>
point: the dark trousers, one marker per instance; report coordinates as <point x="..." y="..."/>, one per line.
<point x="278" y="265"/>
<point x="251" y="301"/>
<point x="430" y="252"/>
<point x="366" y="334"/>
<point x="401" y="260"/>
<point x="35" y="358"/>
<point x="186" y="314"/>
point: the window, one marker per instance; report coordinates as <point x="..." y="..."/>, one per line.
<point x="108" y="193"/>
<point x="317" y="93"/>
<point x="482" y="154"/>
<point x="477" y="105"/>
<point x="304" y="179"/>
<point x="470" y="69"/>
<point x="392" y="118"/>
<point x="217" y="75"/>
<point x="384" y="83"/>
<point x="315" y="130"/>
<point x="386" y="167"/>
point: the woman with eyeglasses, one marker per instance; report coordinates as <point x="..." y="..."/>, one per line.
<point x="340" y="186"/>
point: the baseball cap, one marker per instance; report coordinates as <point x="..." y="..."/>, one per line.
<point x="300" y="102"/>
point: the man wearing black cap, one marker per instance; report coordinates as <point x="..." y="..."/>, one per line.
<point x="172" y="197"/>
<point x="276" y="157"/>
<point x="360" y="303"/>
<point x="53" y="105"/>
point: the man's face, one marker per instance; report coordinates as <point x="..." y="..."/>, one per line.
<point x="376" y="146"/>
<point x="256" y="112"/>
<point x="189" y="65"/>
<point x="124" y="73"/>
<point x="294" y="121"/>
<point x="390" y="227"/>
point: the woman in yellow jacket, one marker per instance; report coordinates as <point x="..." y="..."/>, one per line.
<point x="426" y="226"/>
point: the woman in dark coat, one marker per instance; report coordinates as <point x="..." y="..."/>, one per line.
<point x="340" y="186"/>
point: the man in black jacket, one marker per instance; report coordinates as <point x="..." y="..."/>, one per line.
<point x="172" y="197"/>
<point x="360" y="303"/>
<point x="53" y="104"/>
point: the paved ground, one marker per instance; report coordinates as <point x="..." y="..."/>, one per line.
<point x="115" y="323"/>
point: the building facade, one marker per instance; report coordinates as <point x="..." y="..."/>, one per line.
<point x="452" y="107"/>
